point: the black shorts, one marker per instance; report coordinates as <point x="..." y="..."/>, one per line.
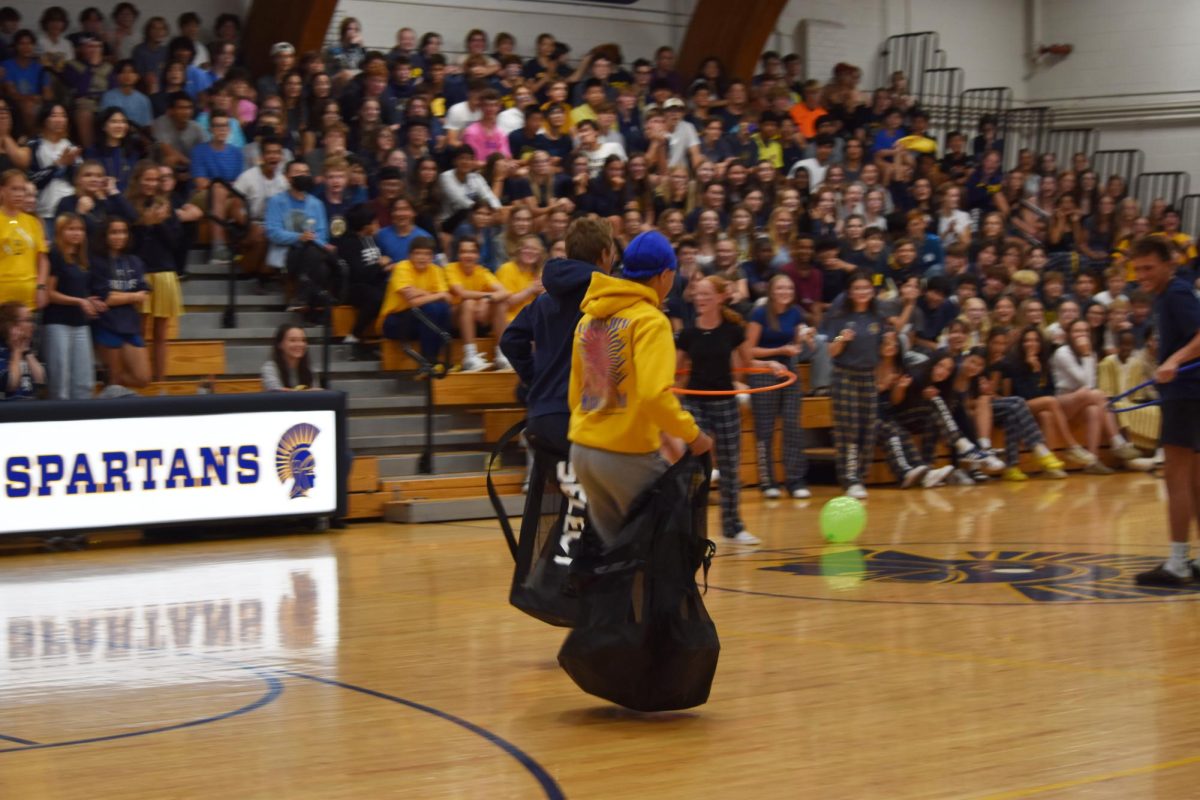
<point x="1181" y="423"/>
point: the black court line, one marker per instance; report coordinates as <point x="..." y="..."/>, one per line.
<point x="16" y="740"/>
<point x="549" y="786"/>
<point x="274" y="690"/>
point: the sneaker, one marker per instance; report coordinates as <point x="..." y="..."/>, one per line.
<point x="1127" y="452"/>
<point x="936" y="477"/>
<point x="715" y="477"/>
<point x="913" y="476"/>
<point x="475" y="363"/>
<point x="1140" y="464"/>
<point x="991" y="463"/>
<point x="959" y="478"/>
<point x="979" y="476"/>
<point x="1080" y="455"/>
<point x="973" y="458"/>
<point x="1097" y="468"/>
<point x="1013" y="474"/>
<point x="501" y="363"/>
<point x="801" y="493"/>
<point x="743" y="537"/>
<point x="1050" y="462"/>
<point x="772" y="493"/>
<point x="857" y="491"/>
<point x="1161" y="576"/>
<point x="220" y="254"/>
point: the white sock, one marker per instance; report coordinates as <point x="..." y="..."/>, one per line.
<point x="1178" y="561"/>
<point x="985" y="443"/>
<point x="469" y="350"/>
<point x="963" y="445"/>
<point x="1041" y="451"/>
<point x="1118" y="440"/>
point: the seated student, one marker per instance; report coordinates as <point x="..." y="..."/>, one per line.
<point x="288" y="370"/>
<point x="937" y="311"/>
<point x="1119" y="373"/>
<point x="480" y="305"/>
<point x="365" y="270"/>
<point x="21" y="376"/>
<point x="118" y="280"/>
<point x="336" y="194"/>
<point x="417" y="283"/>
<point x="395" y="240"/>
<point x="892" y="381"/>
<point x="522" y="277"/>
<point x="479" y="226"/>
<point x="214" y="164"/>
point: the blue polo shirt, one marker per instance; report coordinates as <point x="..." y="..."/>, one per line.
<point x="395" y="246"/>
<point x="1177" y="312"/>
<point x="208" y="162"/>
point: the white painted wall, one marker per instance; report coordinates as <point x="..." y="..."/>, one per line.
<point x="638" y="29"/>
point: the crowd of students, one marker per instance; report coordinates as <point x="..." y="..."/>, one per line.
<point x="932" y="293"/>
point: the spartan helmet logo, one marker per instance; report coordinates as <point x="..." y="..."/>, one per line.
<point x="294" y="458"/>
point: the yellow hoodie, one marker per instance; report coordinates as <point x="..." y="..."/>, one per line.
<point x="622" y="371"/>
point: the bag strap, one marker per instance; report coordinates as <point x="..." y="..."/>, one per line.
<point x="501" y="514"/>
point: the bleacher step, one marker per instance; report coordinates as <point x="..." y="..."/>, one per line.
<point x="463" y="508"/>
<point x="392" y="424"/>
<point x="468" y="436"/>
<point x="405" y="464"/>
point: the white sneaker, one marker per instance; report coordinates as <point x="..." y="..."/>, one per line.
<point x="801" y="494"/>
<point x="991" y="463"/>
<point x="715" y="477"/>
<point x="936" y="477"/>
<point x="913" y="476"/>
<point x="475" y="363"/>
<point x="772" y="493"/>
<point x="857" y="491"/>
<point x="501" y="363"/>
<point x="744" y="537"/>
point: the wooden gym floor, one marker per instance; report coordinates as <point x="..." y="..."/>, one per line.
<point x="990" y="644"/>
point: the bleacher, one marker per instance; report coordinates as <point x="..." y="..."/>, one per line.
<point x="387" y="404"/>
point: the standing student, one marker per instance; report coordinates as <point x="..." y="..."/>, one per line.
<point x="156" y="233"/>
<point x="711" y="349"/>
<point x="24" y="266"/>
<point x="621" y="379"/>
<point x="777" y="332"/>
<point x="68" y="337"/>
<point x="855" y="328"/>
<point x="118" y="280"/>
<point x="1178" y="313"/>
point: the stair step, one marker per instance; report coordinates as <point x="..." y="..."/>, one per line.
<point x="405" y="464"/>
<point x="202" y="295"/>
<point x="392" y="424"/>
<point x="463" y="508"/>
<point x="383" y="403"/>
<point x="472" y="436"/>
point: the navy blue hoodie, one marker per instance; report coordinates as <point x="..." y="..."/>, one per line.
<point x="549" y="323"/>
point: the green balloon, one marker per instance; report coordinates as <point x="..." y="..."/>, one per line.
<point x="843" y="519"/>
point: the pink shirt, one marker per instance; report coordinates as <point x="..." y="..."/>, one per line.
<point x="485" y="142"/>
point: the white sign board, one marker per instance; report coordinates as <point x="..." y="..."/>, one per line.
<point x="102" y="473"/>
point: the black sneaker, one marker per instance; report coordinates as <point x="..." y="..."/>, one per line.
<point x="1161" y="576"/>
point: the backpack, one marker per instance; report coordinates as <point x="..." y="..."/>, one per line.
<point x="643" y="638"/>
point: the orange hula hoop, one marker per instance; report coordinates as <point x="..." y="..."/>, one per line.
<point x="788" y="378"/>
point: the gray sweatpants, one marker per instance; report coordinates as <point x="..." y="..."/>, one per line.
<point x="612" y="481"/>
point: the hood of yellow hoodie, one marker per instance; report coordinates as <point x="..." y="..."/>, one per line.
<point x="607" y="296"/>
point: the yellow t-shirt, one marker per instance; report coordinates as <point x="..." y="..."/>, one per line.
<point x="514" y="280"/>
<point x="21" y="240"/>
<point x="404" y="275"/>
<point x="480" y="280"/>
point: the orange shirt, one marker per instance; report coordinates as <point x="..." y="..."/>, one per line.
<point x="806" y="119"/>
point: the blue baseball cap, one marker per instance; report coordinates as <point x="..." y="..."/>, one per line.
<point x="649" y="254"/>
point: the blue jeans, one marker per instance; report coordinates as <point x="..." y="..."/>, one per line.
<point x="69" y="361"/>
<point x="404" y="326"/>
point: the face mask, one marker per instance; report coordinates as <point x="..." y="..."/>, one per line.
<point x="302" y="183"/>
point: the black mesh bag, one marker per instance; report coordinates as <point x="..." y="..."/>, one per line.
<point x="552" y="526"/>
<point x="643" y="638"/>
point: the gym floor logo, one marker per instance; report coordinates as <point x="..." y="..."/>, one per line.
<point x="294" y="460"/>
<point x="1037" y="575"/>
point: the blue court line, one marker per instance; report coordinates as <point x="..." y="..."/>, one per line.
<point x="274" y="690"/>
<point x="15" y="739"/>
<point x="548" y="784"/>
